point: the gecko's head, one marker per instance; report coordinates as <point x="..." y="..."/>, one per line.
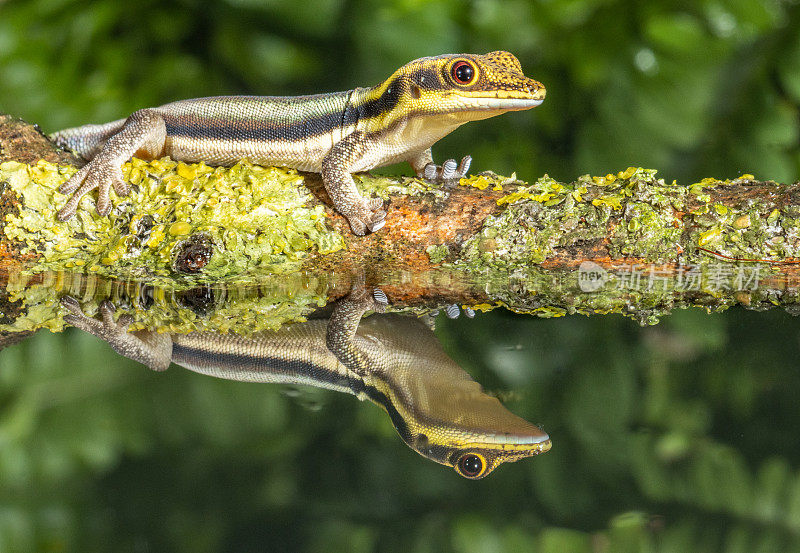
<point x="461" y="87"/>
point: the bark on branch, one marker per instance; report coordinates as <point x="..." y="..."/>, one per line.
<point x="626" y="242"/>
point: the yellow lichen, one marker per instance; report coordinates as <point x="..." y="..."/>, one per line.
<point x="615" y="202"/>
<point x="709" y="237"/>
<point x="524" y="195"/>
<point x="172" y="200"/>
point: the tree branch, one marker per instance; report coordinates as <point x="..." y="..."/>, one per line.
<point x="627" y="242"/>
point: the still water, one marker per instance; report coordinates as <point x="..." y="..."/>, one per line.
<point x="675" y="437"/>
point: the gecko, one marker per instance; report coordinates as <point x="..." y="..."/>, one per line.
<point x="335" y="134"/>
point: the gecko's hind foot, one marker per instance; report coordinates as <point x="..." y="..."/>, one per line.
<point x="147" y="347"/>
<point x="102" y="176"/>
<point x="105" y="327"/>
<point x="448" y="170"/>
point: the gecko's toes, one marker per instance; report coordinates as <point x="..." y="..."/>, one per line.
<point x="430" y="171"/>
<point x="369" y="216"/>
<point x="66" y="213"/>
<point x="107" y="310"/>
<point x="378" y="220"/>
<point x="103" y="204"/>
<point x="76" y="316"/>
<point x="69" y="186"/>
<point x="447" y="171"/>
<point x="102" y="176"/>
<point x="463" y="167"/>
<point x="380" y="296"/>
<point x="71" y="304"/>
<point x="120" y="186"/>
<point x="74" y="182"/>
<point x="357" y="226"/>
<point x="376" y="226"/>
<point x="379" y="300"/>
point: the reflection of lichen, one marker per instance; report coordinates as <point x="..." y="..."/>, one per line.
<point x="256" y="217"/>
<point x="240" y="309"/>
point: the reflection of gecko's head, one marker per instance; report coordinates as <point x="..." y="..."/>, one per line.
<point x="453" y="422"/>
<point x="480" y="435"/>
<point x="434" y="404"/>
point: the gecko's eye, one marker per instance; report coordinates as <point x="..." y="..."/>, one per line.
<point x="471" y="465"/>
<point x="463" y="72"/>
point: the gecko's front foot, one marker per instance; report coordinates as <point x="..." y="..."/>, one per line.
<point x="370" y="215"/>
<point x="95" y="174"/>
<point x="448" y="170"/>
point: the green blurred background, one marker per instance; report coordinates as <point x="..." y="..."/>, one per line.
<point x="678" y="437"/>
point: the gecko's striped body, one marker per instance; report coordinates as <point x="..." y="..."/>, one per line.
<point x="334" y="134"/>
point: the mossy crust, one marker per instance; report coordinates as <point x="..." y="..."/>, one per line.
<point x="257" y="218"/>
<point x="634" y="215"/>
<point x="506" y="242"/>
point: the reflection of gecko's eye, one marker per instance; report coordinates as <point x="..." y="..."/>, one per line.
<point x="471" y="465"/>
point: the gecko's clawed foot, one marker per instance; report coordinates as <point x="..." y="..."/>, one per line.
<point x="105" y="327"/>
<point x="95" y="174"/>
<point x="369" y="217"/>
<point x="448" y="170"/>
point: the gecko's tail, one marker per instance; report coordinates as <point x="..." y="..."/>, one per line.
<point x="87" y="140"/>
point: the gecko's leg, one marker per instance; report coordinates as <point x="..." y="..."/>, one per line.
<point x="143" y="132"/>
<point x="345" y="319"/>
<point x="424" y="166"/>
<point x="362" y="214"/>
<point x="147" y="347"/>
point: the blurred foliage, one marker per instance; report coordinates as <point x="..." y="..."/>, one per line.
<point x="681" y="437"/>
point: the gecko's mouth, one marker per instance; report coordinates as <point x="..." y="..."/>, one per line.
<point x="517" y="439"/>
<point x="474" y="103"/>
<point x="511" y="103"/>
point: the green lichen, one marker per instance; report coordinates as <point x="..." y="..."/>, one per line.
<point x="632" y="212"/>
<point x="383" y="187"/>
<point x="437" y="253"/>
<point x="550" y="214"/>
<point x="630" y="215"/>
<point x="258" y="219"/>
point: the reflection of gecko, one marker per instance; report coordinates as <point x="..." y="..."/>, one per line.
<point x="392" y="360"/>
<point x="333" y="134"/>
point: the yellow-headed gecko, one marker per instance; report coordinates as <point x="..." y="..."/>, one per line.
<point x="334" y="134"/>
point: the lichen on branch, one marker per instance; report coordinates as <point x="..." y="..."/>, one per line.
<point x="506" y="242"/>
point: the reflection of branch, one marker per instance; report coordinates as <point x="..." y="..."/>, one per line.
<point x="500" y="240"/>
